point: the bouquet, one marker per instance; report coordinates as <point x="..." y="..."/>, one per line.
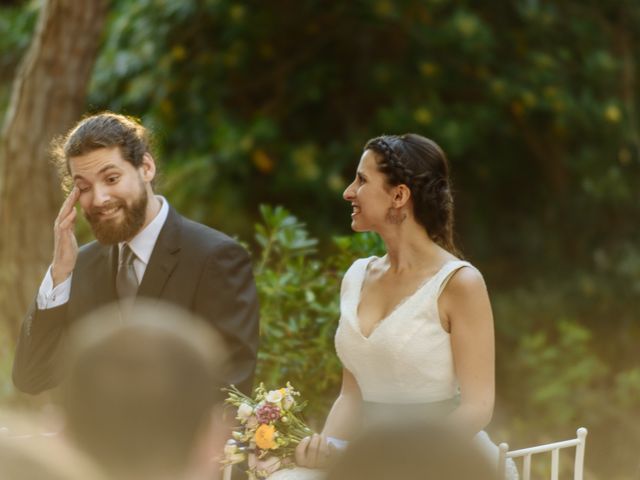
<point x="269" y="431"/>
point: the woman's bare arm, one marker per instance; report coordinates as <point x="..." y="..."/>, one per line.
<point x="342" y="421"/>
<point x="466" y="307"/>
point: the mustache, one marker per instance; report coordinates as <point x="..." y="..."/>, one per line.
<point x="94" y="211"/>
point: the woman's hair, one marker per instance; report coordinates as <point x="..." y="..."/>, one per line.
<point x="421" y="165"/>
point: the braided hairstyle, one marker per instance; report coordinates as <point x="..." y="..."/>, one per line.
<point x="421" y="165"/>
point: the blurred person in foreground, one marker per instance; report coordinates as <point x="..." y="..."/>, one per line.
<point x="412" y="453"/>
<point x="28" y="454"/>
<point x="143" y="249"/>
<point x="141" y="397"/>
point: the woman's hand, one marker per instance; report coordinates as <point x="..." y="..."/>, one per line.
<point x="314" y="452"/>
<point x="268" y="464"/>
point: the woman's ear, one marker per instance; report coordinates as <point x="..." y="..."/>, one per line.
<point x="401" y="195"/>
<point x="148" y="167"/>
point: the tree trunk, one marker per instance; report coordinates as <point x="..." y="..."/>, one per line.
<point x="48" y="96"/>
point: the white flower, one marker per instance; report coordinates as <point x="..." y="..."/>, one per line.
<point x="244" y="411"/>
<point x="288" y="402"/>
<point x="274" y="396"/>
<point x="230" y="448"/>
<point x="232" y="454"/>
<point x="237" y="435"/>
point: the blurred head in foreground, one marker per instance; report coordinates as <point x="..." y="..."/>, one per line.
<point x="26" y="454"/>
<point x="138" y="396"/>
<point x="417" y="452"/>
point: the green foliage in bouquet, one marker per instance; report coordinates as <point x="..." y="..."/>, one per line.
<point x="271" y="422"/>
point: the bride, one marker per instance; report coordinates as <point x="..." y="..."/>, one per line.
<point x="416" y="330"/>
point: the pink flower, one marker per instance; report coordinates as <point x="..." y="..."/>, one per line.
<point x="267" y="413"/>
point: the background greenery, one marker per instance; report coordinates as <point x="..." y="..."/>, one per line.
<point x="536" y="104"/>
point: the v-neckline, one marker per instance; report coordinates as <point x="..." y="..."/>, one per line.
<point x="399" y="305"/>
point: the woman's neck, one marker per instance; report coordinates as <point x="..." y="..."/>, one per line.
<point x="409" y="247"/>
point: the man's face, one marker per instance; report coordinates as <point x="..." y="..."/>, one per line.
<point x="113" y="193"/>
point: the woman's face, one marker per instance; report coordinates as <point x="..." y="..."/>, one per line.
<point x="369" y="195"/>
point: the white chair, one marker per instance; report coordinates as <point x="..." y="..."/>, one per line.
<point x="554" y="448"/>
<point x="226" y="472"/>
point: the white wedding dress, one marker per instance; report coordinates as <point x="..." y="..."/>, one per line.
<point x="404" y="368"/>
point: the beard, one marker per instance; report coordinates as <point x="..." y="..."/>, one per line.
<point x="115" y="230"/>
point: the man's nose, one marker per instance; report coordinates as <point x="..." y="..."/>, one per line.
<point x="100" y="196"/>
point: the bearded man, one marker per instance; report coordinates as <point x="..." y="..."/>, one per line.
<point x="143" y="248"/>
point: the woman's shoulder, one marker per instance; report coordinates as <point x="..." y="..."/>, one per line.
<point x="462" y="279"/>
<point x="358" y="268"/>
<point x="467" y="276"/>
<point x="362" y="263"/>
<point x="453" y="264"/>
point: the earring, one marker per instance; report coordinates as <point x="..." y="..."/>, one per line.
<point x="395" y="216"/>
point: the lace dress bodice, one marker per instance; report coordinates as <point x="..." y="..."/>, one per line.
<point x="407" y="358"/>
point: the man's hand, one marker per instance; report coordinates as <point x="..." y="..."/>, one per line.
<point x="65" y="249"/>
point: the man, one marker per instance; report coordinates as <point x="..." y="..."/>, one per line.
<point x="142" y="398"/>
<point x="144" y="248"/>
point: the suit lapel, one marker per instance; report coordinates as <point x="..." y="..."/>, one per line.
<point x="164" y="257"/>
<point x="93" y="282"/>
<point x="104" y="273"/>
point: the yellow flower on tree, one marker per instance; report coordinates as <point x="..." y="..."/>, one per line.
<point x="262" y="161"/>
<point x="423" y="116"/>
<point x="612" y="113"/>
<point x="265" y="437"/>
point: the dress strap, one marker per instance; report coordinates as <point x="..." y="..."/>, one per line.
<point x="446" y="272"/>
<point x="352" y="279"/>
<point x="356" y="269"/>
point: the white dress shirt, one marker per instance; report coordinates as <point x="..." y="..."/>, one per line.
<point x="141" y="245"/>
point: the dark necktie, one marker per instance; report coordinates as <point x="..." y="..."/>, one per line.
<point x="126" y="279"/>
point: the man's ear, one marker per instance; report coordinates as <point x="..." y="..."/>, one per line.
<point x="401" y="195"/>
<point x="148" y="167"/>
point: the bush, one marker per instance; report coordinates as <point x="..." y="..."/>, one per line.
<point x="299" y="306"/>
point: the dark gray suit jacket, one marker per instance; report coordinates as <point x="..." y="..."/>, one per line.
<point x="192" y="266"/>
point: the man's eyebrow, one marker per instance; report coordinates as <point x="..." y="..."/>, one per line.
<point x="101" y="171"/>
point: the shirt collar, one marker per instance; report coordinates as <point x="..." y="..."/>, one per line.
<point x="142" y="244"/>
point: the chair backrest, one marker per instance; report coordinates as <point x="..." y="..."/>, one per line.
<point x="554" y="448"/>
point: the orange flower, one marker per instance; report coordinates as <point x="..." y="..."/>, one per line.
<point x="265" y="437"/>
